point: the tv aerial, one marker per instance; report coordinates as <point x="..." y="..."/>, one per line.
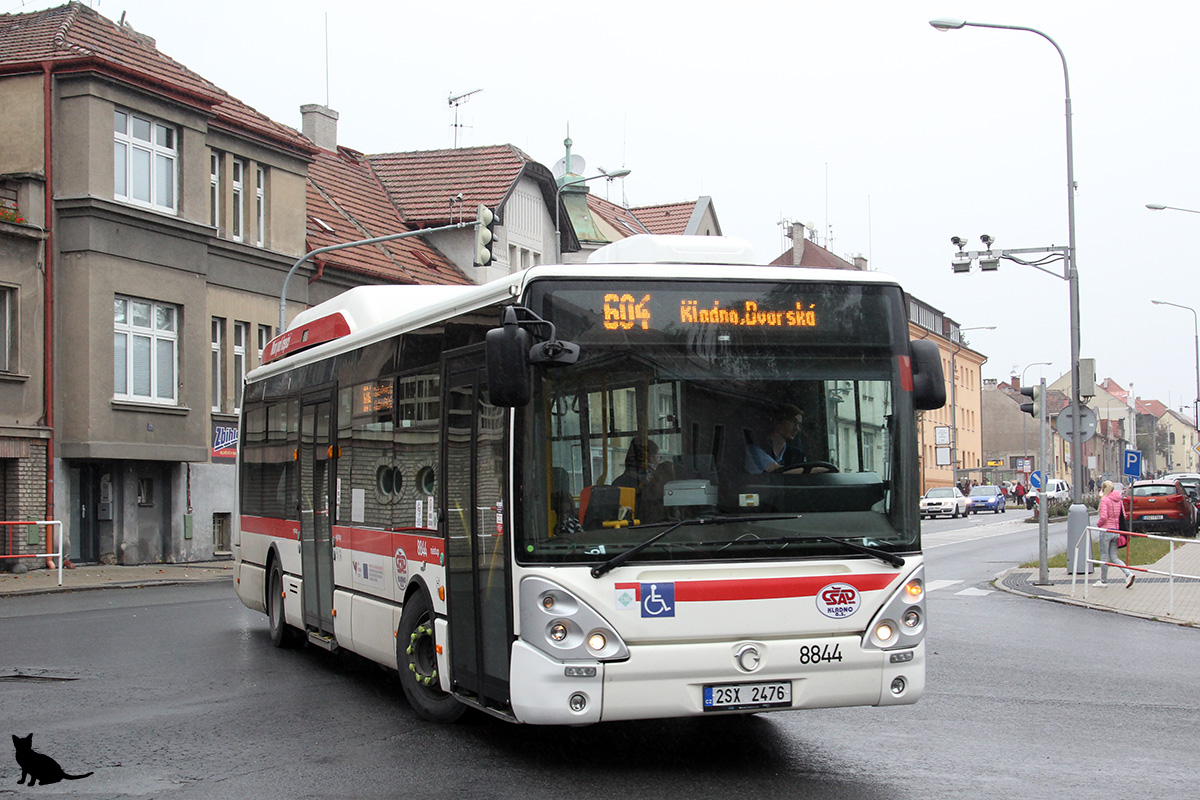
<point x="455" y="101"/>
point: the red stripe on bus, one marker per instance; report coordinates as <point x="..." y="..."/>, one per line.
<point x="905" y="373"/>
<point x="279" y="528"/>
<point x="386" y="543"/>
<point x="772" y="588"/>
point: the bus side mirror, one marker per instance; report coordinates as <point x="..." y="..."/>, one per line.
<point x="507" y="354"/>
<point x="928" y="382"/>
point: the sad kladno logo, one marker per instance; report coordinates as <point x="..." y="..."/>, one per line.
<point x="39" y="768"/>
<point x="838" y="600"/>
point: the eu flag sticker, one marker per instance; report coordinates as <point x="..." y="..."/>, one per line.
<point x="658" y="599"/>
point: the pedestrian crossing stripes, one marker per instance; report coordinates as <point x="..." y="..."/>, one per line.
<point x="970" y="591"/>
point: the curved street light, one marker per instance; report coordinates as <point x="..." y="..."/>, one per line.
<point x="611" y="176"/>
<point x="952" y="23"/>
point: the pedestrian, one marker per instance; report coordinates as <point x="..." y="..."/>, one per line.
<point x="1109" y="522"/>
<point x="1019" y="491"/>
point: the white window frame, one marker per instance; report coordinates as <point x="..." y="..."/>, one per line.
<point x="237" y="211"/>
<point x="241" y="335"/>
<point x="161" y="153"/>
<point x="214" y="189"/>
<point x="8" y="333"/>
<point x="264" y="338"/>
<point x="260" y="191"/>
<point x="215" y="373"/>
<point x="160" y="333"/>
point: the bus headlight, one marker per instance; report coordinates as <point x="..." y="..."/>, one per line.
<point x="900" y="623"/>
<point x="561" y="625"/>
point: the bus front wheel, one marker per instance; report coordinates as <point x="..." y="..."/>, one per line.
<point x="416" y="659"/>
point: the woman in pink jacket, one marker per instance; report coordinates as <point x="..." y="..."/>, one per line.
<point x="1109" y="522"/>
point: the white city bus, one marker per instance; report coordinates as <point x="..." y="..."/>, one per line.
<point x="535" y="497"/>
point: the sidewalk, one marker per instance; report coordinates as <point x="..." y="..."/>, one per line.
<point x="1150" y="597"/>
<point x="100" y="576"/>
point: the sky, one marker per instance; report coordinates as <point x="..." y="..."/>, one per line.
<point x="886" y="135"/>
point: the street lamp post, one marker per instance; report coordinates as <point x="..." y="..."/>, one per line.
<point x="1072" y="272"/>
<point x="955" y="346"/>
<point x="1196" y="328"/>
<point x="612" y="176"/>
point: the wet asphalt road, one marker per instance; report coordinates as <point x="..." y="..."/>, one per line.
<point x="176" y="692"/>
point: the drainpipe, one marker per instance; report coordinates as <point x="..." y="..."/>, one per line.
<point x="48" y="299"/>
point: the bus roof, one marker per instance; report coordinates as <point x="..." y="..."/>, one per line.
<point x="368" y="313"/>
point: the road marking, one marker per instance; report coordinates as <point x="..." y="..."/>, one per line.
<point x="933" y="586"/>
<point x="973" y="592"/>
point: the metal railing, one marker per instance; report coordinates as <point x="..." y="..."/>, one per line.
<point x="56" y="525"/>
<point x="1170" y="573"/>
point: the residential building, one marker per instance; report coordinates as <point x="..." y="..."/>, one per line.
<point x="160" y="218"/>
<point x="1012" y="439"/>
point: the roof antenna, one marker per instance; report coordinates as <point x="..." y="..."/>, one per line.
<point x="455" y="102"/>
<point x="327" y="59"/>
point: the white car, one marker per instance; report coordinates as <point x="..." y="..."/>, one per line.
<point x="944" y="500"/>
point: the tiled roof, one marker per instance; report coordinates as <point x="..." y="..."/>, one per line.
<point x="77" y="37"/>
<point x="423" y="183"/>
<point x="346" y="203"/>
<point x="619" y="217"/>
<point x="813" y="256"/>
<point x="666" y="218"/>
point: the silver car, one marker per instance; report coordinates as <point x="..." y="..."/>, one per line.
<point x="944" y="500"/>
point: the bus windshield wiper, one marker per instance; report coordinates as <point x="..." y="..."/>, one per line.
<point x="883" y="555"/>
<point x="620" y="558"/>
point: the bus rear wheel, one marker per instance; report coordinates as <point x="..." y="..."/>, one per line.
<point x="282" y="634"/>
<point x="416" y="659"/>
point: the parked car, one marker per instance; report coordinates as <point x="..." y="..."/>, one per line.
<point x="1190" y="481"/>
<point x="987" y="498"/>
<point x="944" y="500"/>
<point x="1161" y="505"/>
<point x="1057" y="491"/>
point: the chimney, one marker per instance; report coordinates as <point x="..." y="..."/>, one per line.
<point x="860" y="263"/>
<point x="797" y="234"/>
<point x="1016" y="383"/>
<point x="319" y="124"/>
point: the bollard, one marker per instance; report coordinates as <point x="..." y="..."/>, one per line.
<point x="1077" y="556"/>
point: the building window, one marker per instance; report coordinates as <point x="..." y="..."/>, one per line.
<point x="241" y="332"/>
<point x="218" y="341"/>
<point x="264" y="337"/>
<point x="214" y="189"/>
<point x="261" y="206"/>
<point x="145" y="350"/>
<point x="8" y="333"/>
<point x="145" y="491"/>
<point x="237" y="210"/>
<point x="144" y="161"/>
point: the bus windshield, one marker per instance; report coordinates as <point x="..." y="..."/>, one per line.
<point x="774" y="410"/>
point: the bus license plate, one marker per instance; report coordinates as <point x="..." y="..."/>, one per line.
<point x="741" y="696"/>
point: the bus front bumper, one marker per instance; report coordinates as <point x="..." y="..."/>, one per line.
<point x="669" y="680"/>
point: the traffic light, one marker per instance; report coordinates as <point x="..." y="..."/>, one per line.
<point x="485" y="222"/>
<point x="1033" y="409"/>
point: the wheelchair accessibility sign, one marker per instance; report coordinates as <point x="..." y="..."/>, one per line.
<point x="658" y="599"/>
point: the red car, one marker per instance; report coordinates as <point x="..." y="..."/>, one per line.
<point x="1161" y="505"/>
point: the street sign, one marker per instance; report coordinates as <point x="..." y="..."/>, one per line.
<point x="1035" y="479"/>
<point x="1133" y="463"/>
<point x="941" y="435"/>
<point x="1025" y="465"/>
<point x="1072" y="417"/>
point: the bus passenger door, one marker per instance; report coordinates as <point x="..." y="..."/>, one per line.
<point x="479" y="601"/>
<point x="316" y="454"/>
